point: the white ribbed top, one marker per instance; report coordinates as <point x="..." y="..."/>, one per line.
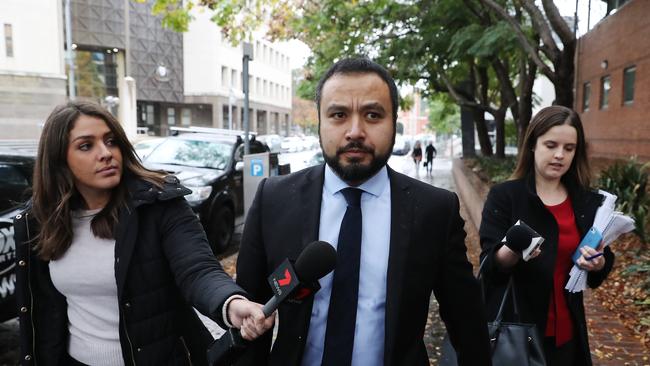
<point x="86" y="276"/>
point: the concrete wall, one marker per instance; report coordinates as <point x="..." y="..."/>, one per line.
<point x="25" y="103"/>
<point x="621" y="39"/>
<point x="37" y="27"/>
<point x="33" y="81"/>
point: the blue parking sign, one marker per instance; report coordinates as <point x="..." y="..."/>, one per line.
<point x="257" y="168"/>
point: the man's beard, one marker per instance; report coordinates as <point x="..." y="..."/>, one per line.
<point x="355" y="170"/>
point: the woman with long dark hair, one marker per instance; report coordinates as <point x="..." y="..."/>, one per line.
<point x="111" y="259"/>
<point x="550" y="192"/>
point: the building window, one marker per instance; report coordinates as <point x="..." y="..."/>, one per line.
<point x="224" y="76"/>
<point x="605" y="87"/>
<point x="186" y="117"/>
<point x="258" y="86"/>
<point x="150" y="115"/>
<point x="628" y="84"/>
<point x="96" y="75"/>
<point x="171" y="116"/>
<point x="233" y="79"/>
<point x="586" y="96"/>
<point x="266" y="88"/>
<point x="9" y="41"/>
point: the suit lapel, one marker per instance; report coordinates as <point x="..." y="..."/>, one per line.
<point x="401" y="219"/>
<point x="310" y="196"/>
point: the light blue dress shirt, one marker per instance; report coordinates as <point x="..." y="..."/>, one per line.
<point x="375" y="244"/>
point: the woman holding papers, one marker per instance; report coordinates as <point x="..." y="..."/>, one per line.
<point x="550" y="192"/>
<point x="111" y="258"/>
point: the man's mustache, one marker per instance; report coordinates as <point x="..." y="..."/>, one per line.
<point x="355" y="145"/>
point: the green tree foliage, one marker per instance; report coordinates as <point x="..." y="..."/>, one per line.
<point x="444" y="115"/>
<point x="629" y="182"/>
<point x="457" y="47"/>
<point x="555" y="59"/>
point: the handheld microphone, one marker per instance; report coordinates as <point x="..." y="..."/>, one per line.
<point x="288" y="282"/>
<point x="522" y="239"/>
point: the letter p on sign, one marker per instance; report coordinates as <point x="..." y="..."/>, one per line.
<point x="257" y="168"/>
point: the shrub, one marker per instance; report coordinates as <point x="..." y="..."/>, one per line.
<point x="628" y="180"/>
<point x="497" y="170"/>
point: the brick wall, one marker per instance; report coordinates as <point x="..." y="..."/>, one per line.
<point x="622" y="40"/>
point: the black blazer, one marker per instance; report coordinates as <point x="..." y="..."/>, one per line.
<point x="427" y="252"/>
<point x="517" y="200"/>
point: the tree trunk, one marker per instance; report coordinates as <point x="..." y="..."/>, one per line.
<point x="500" y="125"/>
<point x="479" y="114"/>
<point x="564" y="68"/>
<point x="467" y="130"/>
<point x="482" y="132"/>
<point x="528" y="71"/>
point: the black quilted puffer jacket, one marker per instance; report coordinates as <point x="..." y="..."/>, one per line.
<point x="163" y="267"/>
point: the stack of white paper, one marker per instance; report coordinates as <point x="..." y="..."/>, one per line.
<point x="608" y="225"/>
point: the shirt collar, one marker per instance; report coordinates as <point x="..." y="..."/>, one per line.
<point x="375" y="185"/>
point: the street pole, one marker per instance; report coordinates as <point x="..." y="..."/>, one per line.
<point x="127" y="38"/>
<point x="248" y="56"/>
<point x="575" y="22"/>
<point x="69" y="55"/>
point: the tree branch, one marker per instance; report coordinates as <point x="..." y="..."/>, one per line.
<point x="523" y="40"/>
<point x="557" y="22"/>
<point x="543" y="29"/>
<point x="460" y="100"/>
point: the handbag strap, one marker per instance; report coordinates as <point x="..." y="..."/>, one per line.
<point x="510" y="288"/>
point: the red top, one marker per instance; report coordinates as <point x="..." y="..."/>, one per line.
<point x="559" y="323"/>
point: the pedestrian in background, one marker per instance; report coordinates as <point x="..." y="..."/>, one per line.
<point x="397" y="241"/>
<point x="111" y="257"/>
<point x="417" y="156"/>
<point x="549" y="191"/>
<point x="431" y="153"/>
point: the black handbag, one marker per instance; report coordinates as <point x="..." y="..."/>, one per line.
<point x="511" y="344"/>
<point x="514" y="343"/>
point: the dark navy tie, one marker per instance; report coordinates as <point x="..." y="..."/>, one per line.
<point x="342" y="315"/>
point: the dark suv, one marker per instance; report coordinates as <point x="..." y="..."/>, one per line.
<point x="16" y="164"/>
<point x="210" y="164"/>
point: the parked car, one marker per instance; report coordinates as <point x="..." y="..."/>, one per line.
<point x="402" y="145"/>
<point x="207" y="163"/>
<point x="315" y="159"/>
<point x="146" y="146"/>
<point x="292" y="144"/>
<point x="274" y="142"/>
<point x="16" y="167"/>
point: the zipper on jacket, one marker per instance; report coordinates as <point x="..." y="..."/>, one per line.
<point x="29" y="286"/>
<point x="187" y="351"/>
<point x="128" y="339"/>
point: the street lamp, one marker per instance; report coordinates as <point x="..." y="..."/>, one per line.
<point x="248" y="56"/>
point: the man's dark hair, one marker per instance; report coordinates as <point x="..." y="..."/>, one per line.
<point x="359" y="65"/>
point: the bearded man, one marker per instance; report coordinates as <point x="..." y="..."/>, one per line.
<point x="397" y="240"/>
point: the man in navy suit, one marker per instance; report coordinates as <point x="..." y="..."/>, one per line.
<point x="397" y="241"/>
